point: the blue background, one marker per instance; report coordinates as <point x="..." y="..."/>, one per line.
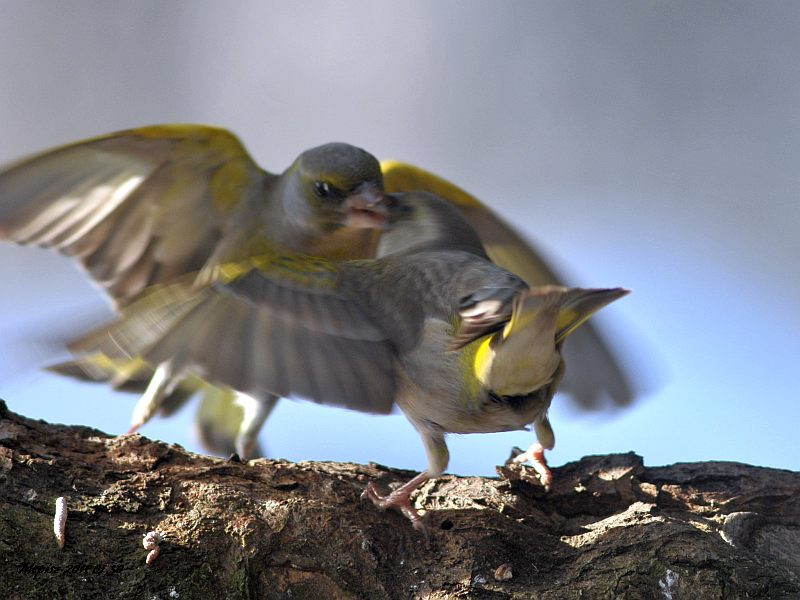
<point x="645" y="144"/>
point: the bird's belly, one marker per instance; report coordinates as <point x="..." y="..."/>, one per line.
<point x="491" y="416"/>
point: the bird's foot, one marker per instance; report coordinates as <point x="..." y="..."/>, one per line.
<point x="399" y="499"/>
<point x="535" y="456"/>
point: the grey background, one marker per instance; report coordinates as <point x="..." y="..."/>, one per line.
<point x="652" y="145"/>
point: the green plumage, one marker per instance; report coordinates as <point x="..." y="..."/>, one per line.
<point x="208" y="256"/>
<point x="377" y="333"/>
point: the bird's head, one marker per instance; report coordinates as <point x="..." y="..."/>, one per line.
<point x="423" y="221"/>
<point x="337" y="185"/>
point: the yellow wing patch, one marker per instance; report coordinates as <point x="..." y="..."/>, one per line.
<point x="482" y="361"/>
<point x="403" y="177"/>
<point x="300" y="269"/>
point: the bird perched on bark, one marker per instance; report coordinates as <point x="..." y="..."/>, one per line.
<point x="150" y="205"/>
<point x="432" y="325"/>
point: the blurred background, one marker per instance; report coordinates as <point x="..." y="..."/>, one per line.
<point x="650" y="145"/>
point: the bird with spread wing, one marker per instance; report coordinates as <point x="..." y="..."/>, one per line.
<point x="161" y="204"/>
<point x="432" y="325"/>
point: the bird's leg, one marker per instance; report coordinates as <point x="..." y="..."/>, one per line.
<point x="535" y="454"/>
<point x="256" y="411"/>
<point x="438" y="457"/>
<point x="161" y="385"/>
<point x="399" y="499"/>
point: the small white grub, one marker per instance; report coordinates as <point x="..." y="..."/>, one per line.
<point x="150" y="541"/>
<point x="60" y="520"/>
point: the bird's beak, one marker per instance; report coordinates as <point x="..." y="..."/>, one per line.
<point x="366" y="207"/>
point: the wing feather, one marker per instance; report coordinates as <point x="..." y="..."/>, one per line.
<point x="263" y="333"/>
<point x="136" y="207"/>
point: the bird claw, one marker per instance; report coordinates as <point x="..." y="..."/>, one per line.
<point x="535" y="456"/>
<point x="398" y="500"/>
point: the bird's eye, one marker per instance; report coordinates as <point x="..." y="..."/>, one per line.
<point x="322" y="188"/>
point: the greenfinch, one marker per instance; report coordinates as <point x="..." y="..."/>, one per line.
<point x="144" y="206"/>
<point x="151" y="205"/>
<point x="460" y="344"/>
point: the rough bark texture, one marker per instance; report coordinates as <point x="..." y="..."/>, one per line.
<point x="610" y="528"/>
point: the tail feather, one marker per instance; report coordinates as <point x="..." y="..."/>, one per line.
<point x="526" y="356"/>
<point x="578" y="304"/>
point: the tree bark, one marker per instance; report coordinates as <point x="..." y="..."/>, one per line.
<point x="609" y="528"/>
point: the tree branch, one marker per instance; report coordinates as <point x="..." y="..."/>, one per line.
<point x="610" y="528"/>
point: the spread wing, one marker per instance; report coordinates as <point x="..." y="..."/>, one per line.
<point x="270" y="326"/>
<point x="136" y="208"/>
<point x="595" y="372"/>
<point x="504" y="246"/>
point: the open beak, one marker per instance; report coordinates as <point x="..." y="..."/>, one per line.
<point x="366" y="207"/>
